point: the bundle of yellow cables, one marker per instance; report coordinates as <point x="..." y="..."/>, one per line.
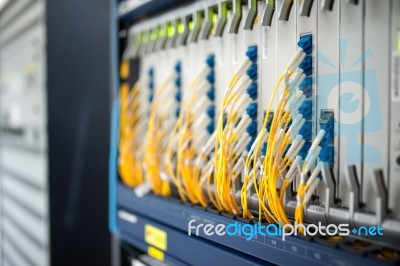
<point x="133" y="119"/>
<point x="161" y="122"/>
<point x="188" y="136"/>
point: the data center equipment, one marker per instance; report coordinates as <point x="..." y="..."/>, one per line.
<point x="257" y="113"/>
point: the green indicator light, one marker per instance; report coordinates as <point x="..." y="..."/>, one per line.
<point x="161" y="31"/>
<point x="181" y="28"/>
<point x="146" y="37"/>
<point x="214" y="18"/>
<point x="398" y="40"/>
<point x="153" y="35"/>
<point x="170" y="31"/>
<point x="191" y="25"/>
<point x="142" y="37"/>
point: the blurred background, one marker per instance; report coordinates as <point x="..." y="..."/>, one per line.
<point x="54" y="121"/>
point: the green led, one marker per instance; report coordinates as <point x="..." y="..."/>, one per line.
<point x="181" y="27"/>
<point x="153" y="35"/>
<point x="191" y="25"/>
<point x="398" y="41"/>
<point x="161" y="32"/>
<point x="142" y="37"/>
<point x="214" y="18"/>
<point x="170" y="31"/>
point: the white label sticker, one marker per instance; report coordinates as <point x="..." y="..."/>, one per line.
<point x="123" y="215"/>
<point x="396" y="77"/>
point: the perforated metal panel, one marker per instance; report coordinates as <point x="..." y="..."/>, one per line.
<point x="24" y="162"/>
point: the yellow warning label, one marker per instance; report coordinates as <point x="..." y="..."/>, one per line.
<point x="155" y="253"/>
<point x="155" y="237"/>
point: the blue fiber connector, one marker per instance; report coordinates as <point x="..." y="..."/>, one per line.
<point x="252" y="110"/>
<point x="210" y="127"/>
<point x="178" y="67"/>
<point x="252" y="90"/>
<point x="305" y="43"/>
<point x="306" y="86"/>
<point x="306" y="109"/>
<point x="304" y="150"/>
<point x="306" y="65"/>
<point x="210" y="61"/>
<point x="329" y="132"/>
<point x="251" y="53"/>
<point x="178" y="82"/>
<point x="177" y="111"/>
<point x="252" y="72"/>
<point x="211" y="111"/>
<point x="211" y="77"/>
<point x="178" y="96"/>
<point x="327" y="155"/>
<point x="306" y="130"/>
<point x="252" y="129"/>
<point x="211" y="93"/>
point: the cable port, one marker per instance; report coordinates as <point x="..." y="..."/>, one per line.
<point x="252" y="129"/>
<point x="211" y="94"/>
<point x="252" y="90"/>
<point x="178" y="82"/>
<point x="211" y="111"/>
<point x="252" y="72"/>
<point x="306" y="65"/>
<point x="251" y="110"/>
<point x="305" y="43"/>
<point x="306" y="86"/>
<point x="306" y="130"/>
<point x="327" y="123"/>
<point x="251" y="53"/>
<point x="304" y="150"/>
<point x="210" y="127"/>
<point x="177" y="111"/>
<point x="211" y="77"/>
<point x="178" y="96"/>
<point x="327" y="155"/>
<point x="210" y="61"/>
<point x="306" y="109"/>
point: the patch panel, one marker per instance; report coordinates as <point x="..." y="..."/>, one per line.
<point x="272" y="143"/>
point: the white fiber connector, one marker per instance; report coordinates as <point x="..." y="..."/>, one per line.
<point x="297" y="127"/>
<point x="201" y="122"/>
<point x="264" y="136"/>
<point x="317" y="139"/>
<point x="241" y="69"/>
<point x="296" y="60"/>
<point x="240" y="87"/>
<point x="298" y="148"/>
<point x="200" y="139"/>
<point x="243" y="124"/>
<point x="298" y="104"/>
<point x="241" y="104"/>
<point x="311" y="190"/>
<point x="202" y="88"/>
<point x="315" y="173"/>
<point x="295" y="101"/>
<point x="209" y="145"/>
<point x="201" y="75"/>
<point x="294" y="80"/>
<point x="294" y="145"/>
<point x="293" y="169"/>
<point x="312" y="158"/>
<point x="241" y="144"/>
<point x="201" y="105"/>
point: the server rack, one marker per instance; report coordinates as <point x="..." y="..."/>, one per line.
<point x="130" y="215"/>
